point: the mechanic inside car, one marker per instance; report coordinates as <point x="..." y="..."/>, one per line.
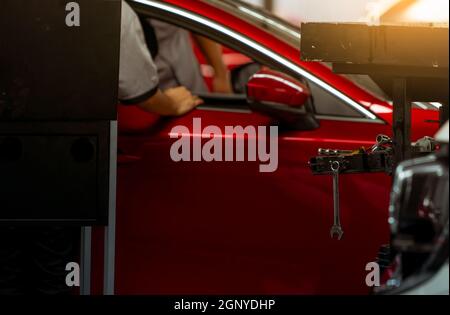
<point x="138" y="75"/>
<point x="177" y="63"/>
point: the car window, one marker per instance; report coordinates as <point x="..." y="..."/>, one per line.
<point x="325" y="103"/>
<point x="328" y="105"/>
<point x="242" y="68"/>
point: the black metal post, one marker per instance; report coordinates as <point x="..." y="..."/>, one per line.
<point x="443" y="113"/>
<point x="401" y="121"/>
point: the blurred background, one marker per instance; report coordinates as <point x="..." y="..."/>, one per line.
<point x="370" y="11"/>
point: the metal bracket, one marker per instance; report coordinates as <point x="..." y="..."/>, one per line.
<point x="110" y="231"/>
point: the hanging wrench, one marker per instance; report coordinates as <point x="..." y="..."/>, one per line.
<point x="336" y="229"/>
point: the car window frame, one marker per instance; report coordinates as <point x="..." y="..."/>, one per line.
<point x="175" y="15"/>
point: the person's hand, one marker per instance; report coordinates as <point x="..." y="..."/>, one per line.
<point x="182" y="100"/>
<point x="222" y="84"/>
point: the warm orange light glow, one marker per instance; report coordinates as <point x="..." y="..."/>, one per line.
<point x="408" y="11"/>
<point x="433" y="11"/>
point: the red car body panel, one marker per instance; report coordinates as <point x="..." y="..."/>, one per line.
<point x="225" y="228"/>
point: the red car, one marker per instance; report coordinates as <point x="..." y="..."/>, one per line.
<point x="225" y="227"/>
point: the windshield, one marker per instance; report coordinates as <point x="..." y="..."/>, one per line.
<point x="291" y="34"/>
<point x="262" y="18"/>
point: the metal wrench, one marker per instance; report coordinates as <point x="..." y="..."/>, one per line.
<point x="336" y="230"/>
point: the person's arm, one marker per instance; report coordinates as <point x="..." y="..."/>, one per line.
<point x="138" y="75"/>
<point x="213" y="54"/>
<point x="172" y="102"/>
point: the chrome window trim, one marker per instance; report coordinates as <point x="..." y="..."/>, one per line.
<point x="261" y="49"/>
<point x="260" y="17"/>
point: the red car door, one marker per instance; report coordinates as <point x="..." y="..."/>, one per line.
<point x="225" y="227"/>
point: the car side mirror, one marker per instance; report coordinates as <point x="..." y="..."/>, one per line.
<point x="282" y="98"/>
<point x="268" y="86"/>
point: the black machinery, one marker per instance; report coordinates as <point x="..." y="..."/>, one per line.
<point x="410" y="63"/>
<point x="59" y="65"/>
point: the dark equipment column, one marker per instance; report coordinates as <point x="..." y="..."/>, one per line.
<point x="402" y="120"/>
<point x="59" y="66"/>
